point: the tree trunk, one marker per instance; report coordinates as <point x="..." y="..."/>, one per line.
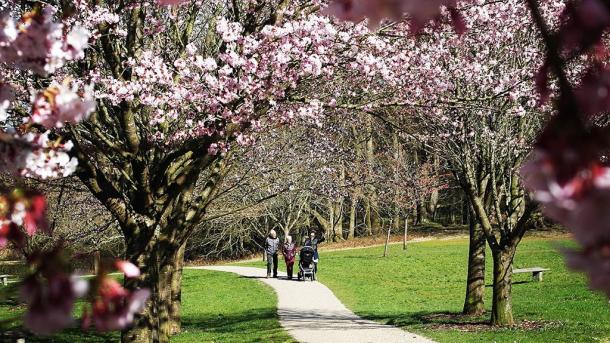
<point x="175" y="309"/>
<point x="145" y="327"/>
<point x="432" y="205"/>
<point x="336" y="220"/>
<point x="422" y="214"/>
<point x="352" y="218"/>
<point x="164" y="295"/>
<point x="404" y="238"/>
<point x="367" y="217"/>
<point x="387" y="241"/>
<point x="375" y="219"/>
<point x="96" y="262"/>
<point x="475" y="284"/>
<point x="502" y="309"/>
<point x="466" y="210"/>
<point x="160" y="263"/>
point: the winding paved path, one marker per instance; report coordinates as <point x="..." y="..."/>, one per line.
<point x="310" y="312"/>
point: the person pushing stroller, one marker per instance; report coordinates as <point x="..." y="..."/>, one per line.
<point x="313" y="242"/>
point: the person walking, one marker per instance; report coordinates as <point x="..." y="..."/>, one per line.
<point x="313" y="242"/>
<point x="272" y="245"/>
<point x="289" y="250"/>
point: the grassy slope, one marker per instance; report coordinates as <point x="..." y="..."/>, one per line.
<point x="218" y="307"/>
<point x="408" y="288"/>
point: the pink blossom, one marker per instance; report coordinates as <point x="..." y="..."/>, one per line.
<point x="213" y="149"/>
<point x="35" y="215"/>
<point x="5" y="231"/>
<point x="229" y="32"/>
<point x="60" y="104"/>
<point x="6" y="96"/>
<point x="39" y="44"/>
<point x="595" y="262"/>
<point x="43" y="158"/>
<point x="128" y="268"/>
<point x="8" y="29"/>
<point x="171" y="2"/>
<point x="50" y="301"/>
<point x="419" y="11"/>
<point x="114" y="307"/>
<point x="22" y="209"/>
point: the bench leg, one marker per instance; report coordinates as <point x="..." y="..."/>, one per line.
<point x="537" y="276"/>
<point x="5" y="281"/>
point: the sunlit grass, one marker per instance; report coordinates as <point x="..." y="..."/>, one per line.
<point x="410" y="289"/>
<point x="217" y="307"/>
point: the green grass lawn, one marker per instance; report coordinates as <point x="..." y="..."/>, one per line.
<point x="416" y="289"/>
<point x="422" y="290"/>
<point x="217" y="307"/>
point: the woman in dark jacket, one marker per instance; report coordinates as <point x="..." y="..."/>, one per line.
<point x="313" y="242"/>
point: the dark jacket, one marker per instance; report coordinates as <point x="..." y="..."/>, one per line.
<point x="314" y="242"/>
<point x="289" y="251"/>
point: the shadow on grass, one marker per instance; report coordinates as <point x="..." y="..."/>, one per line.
<point x="65" y="336"/>
<point x="425" y="319"/>
<point x="514" y="283"/>
<point x="259" y="320"/>
<point x="453" y="321"/>
<point x="283" y="278"/>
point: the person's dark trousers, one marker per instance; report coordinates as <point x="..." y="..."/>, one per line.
<point x="289" y="267"/>
<point x="272" y="263"/>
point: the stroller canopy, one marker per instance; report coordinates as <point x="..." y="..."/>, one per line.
<point x="306" y="255"/>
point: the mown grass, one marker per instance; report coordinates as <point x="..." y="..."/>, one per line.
<point x="423" y="288"/>
<point x="217" y="307"/>
<point x="420" y="290"/>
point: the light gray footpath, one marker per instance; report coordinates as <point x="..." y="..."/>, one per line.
<point x="310" y="312"/>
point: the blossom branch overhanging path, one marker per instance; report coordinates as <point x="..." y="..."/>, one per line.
<point x="568" y="170"/>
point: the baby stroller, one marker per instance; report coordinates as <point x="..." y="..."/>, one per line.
<point x="307" y="264"/>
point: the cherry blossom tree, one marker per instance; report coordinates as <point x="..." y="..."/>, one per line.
<point x="175" y="89"/>
<point x="568" y="170"/>
<point x="477" y="109"/>
<point x="37" y="44"/>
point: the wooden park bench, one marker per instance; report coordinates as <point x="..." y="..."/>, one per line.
<point x="536" y="272"/>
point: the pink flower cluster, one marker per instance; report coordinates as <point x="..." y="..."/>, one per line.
<point x="51" y="291"/>
<point x="50" y="297"/>
<point x="37" y="43"/>
<point x="255" y="77"/>
<point x="61" y="104"/>
<point x="113" y="307"/>
<point x="419" y="12"/>
<point x="568" y="171"/>
<point x="21" y="209"/>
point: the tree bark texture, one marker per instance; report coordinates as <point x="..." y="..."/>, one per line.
<point x="502" y="310"/>
<point x="475" y="284"/>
